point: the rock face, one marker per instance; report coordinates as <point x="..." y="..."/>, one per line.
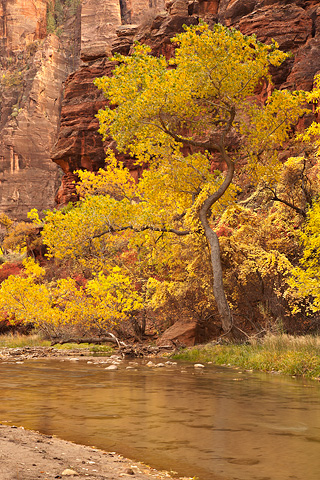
<point x="42" y="117"/>
<point x="295" y="25"/>
<point x="21" y="23"/>
<point x="33" y="67"/>
<point x="79" y="145"/>
<point x="41" y="43"/>
<point x="99" y="20"/>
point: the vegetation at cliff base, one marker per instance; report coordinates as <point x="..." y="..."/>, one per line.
<point x="195" y="111"/>
<point x="221" y="228"/>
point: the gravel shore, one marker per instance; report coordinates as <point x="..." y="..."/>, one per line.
<point x="28" y="455"/>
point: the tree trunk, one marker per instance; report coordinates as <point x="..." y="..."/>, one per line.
<point x="213" y="241"/>
<point x="218" y="289"/>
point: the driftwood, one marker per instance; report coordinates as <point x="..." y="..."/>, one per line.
<point x="135" y="350"/>
<point x="140" y="350"/>
<point x="95" y="340"/>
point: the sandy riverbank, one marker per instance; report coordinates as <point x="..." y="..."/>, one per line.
<point x="28" y="455"/>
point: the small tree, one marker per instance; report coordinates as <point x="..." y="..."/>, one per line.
<point x="195" y="111"/>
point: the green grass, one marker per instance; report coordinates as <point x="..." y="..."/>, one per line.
<point x="298" y="356"/>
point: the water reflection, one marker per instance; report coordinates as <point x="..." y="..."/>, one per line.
<point x="215" y="423"/>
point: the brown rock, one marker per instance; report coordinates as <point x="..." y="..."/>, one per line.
<point x="141" y="11"/>
<point x="28" y="177"/>
<point x="289" y="25"/>
<point x="99" y="21"/>
<point x="127" y="30"/>
<point x="306" y="66"/>
<point x="122" y="45"/>
<point x="180" y="332"/>
<point x="158" y="35"/>
<point x="33" y="70"/>
<point x="79" y="145"/>
<point x="21" y="23"/>
<point x="231" y="11"/>
<point x="179" y="7"/>
<point x="208" y="7"/>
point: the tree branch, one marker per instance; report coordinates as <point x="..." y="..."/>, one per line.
<point x="207" y="145"/>
<point x="285" y="202"/>
<point x="142" y="229"/>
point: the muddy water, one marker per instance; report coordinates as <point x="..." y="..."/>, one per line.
<point x="214" y="423"/>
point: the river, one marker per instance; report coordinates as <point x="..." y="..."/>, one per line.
<point x="214" y="423"/>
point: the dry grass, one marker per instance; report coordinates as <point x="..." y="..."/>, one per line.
<point x="16" y="340"/>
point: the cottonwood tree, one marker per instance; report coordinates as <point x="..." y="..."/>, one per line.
<point x="197" y="110"/>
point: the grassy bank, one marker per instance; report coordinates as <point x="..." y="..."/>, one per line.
<point x="15" y="340"/>
<point x="299" y="356"/>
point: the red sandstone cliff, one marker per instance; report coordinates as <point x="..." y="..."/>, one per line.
<point x="295" y="25"/>
<point x="48" y="100"/>
<point x="41" y="43"/>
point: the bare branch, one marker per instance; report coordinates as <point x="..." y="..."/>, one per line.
<point x="207" y="145"/>
<point x="112" y="229"/>
<point x="285" y="202"/>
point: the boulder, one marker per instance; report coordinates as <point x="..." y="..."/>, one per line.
<point x="180" y="333"/>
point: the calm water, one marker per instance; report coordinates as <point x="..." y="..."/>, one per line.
<point x="216" y="423"/>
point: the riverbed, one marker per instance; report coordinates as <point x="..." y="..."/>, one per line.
<point x="210" y="422"/>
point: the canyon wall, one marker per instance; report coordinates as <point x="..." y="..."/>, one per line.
<point x="295" y="25"/>
<point x="52" y="51"/>
<point x="33" y="66"/>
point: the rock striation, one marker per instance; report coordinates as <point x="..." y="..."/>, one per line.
<point x="33" y="67"/>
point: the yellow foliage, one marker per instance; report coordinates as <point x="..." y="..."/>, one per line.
<point x="21" y="235"/>
<point x="257" y="251"/>
<point x="105" y="302"/>
<point x="306" y="277"/>
<point x="189" y="120"/>
<point x="5" y="221"/>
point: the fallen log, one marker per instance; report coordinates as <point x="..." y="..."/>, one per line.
<point x="95" y="340"/>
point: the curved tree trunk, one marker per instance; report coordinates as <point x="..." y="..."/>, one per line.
<point x="218" y="289"/>
<point x="213" y="242"/>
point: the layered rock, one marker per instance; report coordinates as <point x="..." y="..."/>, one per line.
<point x="99" y="21"/>
<point x="79" y="145"/>
<point x="21" y="23"/>
<point x="28" y="177"/>
<point x="295" y="25"/>
<point x="33" y="67"/>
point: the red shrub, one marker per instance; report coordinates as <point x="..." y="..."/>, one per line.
<point x="224" y="231"/>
